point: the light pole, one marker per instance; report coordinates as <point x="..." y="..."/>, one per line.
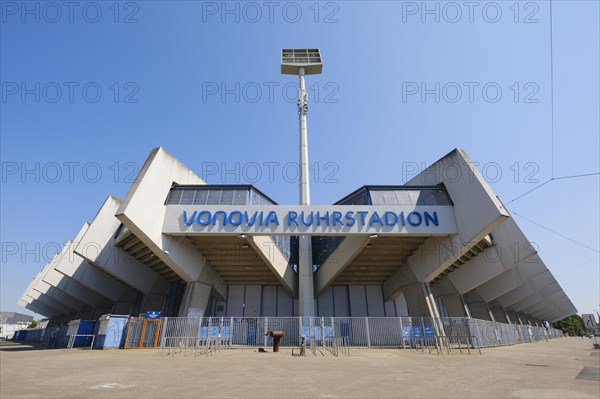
<point x="303" y="62"/>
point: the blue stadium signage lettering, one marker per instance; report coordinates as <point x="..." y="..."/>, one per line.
<point x="310" y="218"/>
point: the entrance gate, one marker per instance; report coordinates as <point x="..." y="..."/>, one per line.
<point x="143" y="333"/>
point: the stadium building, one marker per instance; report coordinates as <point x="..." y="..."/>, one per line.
<point x="441" y="245"/>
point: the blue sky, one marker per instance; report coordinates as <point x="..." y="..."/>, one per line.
<point x="88" y="91"/>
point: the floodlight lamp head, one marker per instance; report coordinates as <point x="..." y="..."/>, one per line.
<point x="292" y="60"/>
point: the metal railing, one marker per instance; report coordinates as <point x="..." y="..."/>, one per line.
<point x="338" y="334"/>
<point x="193" y="336"/>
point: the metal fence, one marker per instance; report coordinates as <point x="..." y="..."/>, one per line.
<point x="337" y="334"/>
<point x="52" y="337"/>
<point x="182" y="335"/>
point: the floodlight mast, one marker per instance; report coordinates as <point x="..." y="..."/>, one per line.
<point x="302" y="111"/>
<point x="303" y="62"/>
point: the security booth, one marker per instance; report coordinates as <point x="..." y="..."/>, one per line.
<point x="111" y="331"/>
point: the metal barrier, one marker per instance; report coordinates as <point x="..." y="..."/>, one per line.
<point x="181" y="335"/>
<point x="194" y="336"/>
<point x="338" y="334"/>
<point x="89" y="338"/>
<point x="53" y="337"/>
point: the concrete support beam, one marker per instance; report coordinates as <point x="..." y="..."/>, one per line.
<point x="59" y="296"/>
<point x="72" y="287"/>
<point x="156" y="299"/>
<point x="478" y="308"/>
<point x="28" y="301"/>
<point x="512" y="315"/>
<point x="554" y="314"/>
<point x="500" y="285"/>
<point x="542" y="280"/>
<point x="500" y="315"/>
<point x="476" y="271"/>
<point x="550" y="289"/>
<point x="477" y="212"/>
<point x="525" y="303"/>
<point x="344" y="254"/>
<point x="50" y="303"/>
<point x="143" y="211"/>
<point x="97" y="246"/>
<point x="419" y="298"/>
<point x="522" y="318"/>
<point x="195" y="300"/>
<point x="42" y="287"/>
<point x="498" y="312"/>
<point x="74" y="267"/>
<point x="452" y="300"/>
<point x="267" y="250"/>
<point x="491" y="268"/>
<point x="401" y="278"/>
<point x="535" y="307"/>
<point x="93" y="278"/>
<point x="515" y="295"/>
<point x="38" y="307"/>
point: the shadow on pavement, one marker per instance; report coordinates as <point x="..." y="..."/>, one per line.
<point x="21" y="346"/>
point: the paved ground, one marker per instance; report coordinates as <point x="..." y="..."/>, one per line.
<point x="544" y="369"/>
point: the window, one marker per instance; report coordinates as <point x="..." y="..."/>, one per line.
<point x="187" y="196"/>
<point x="201" y="196"/>
<point x="214" y="197"/>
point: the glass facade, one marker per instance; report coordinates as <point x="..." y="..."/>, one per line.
<point x="195" y="195"/>
<point x="397" y="195"/>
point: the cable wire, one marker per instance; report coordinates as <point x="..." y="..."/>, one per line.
<point x="551" y="94"/>
<point x="555" y="232"/>
<point x="552" y="179"/>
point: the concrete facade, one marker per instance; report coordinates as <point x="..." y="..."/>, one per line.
<point x="123" y="262"/>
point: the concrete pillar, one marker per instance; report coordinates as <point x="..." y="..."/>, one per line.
<point x="418" y="295"/>
<point x="480" y="311"/>
<point x="452" y="300"/>
<point x="466" y="306"/>
<point x="514" y="318"/>
<point x="454" y="305"/>
<point x="306" y="292"/>
<point x="499" y="315"/>
<point x="498" y="312"/>
<point x="195" y="300"/>
<point x="415" y="300"/>
<point x="478" y="307"/>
